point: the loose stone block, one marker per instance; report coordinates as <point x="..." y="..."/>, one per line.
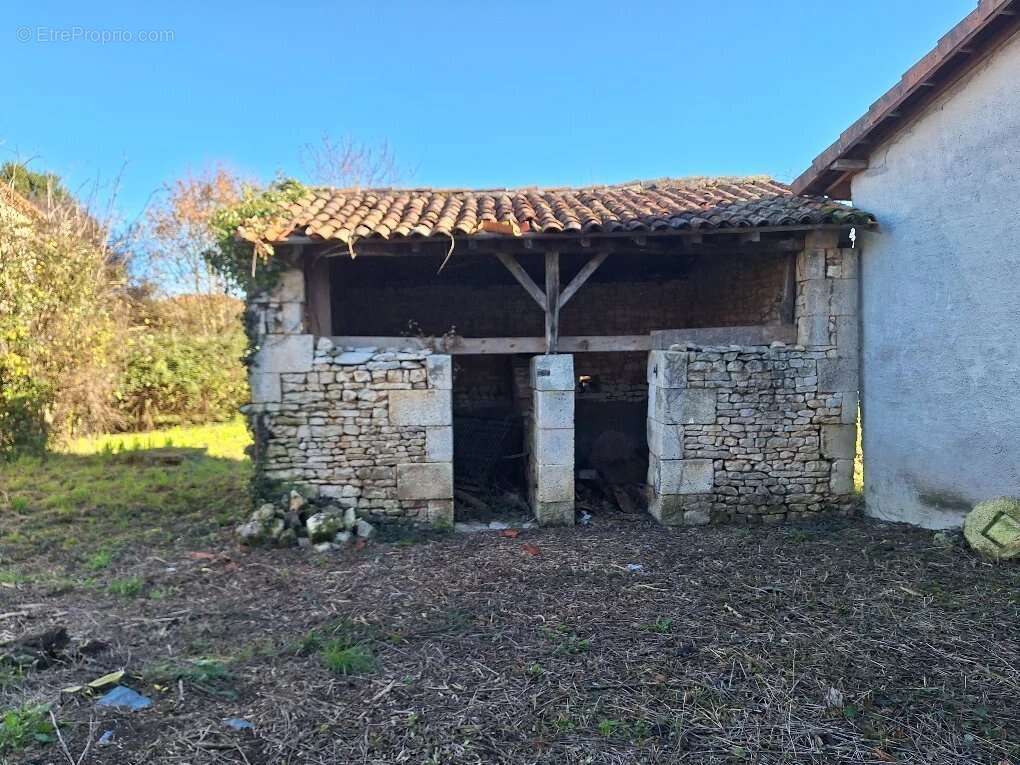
<point x="682" y="406"/>
<point x="425" y="480"/>
<point x="992" y="528"/>
<point x="554" y="409"/>
<point x="665" y="441"/>
<point x="839" y="441"/>
<point x="553" y="372"/>
<point x="265" y="388"/>
<point x="439" y="444"/>
<point x="554" y="446"/>
<point x="439" y="371"/>
<point x="667" y="369"/>
<point x="421" y="407"/>
<point x="694" y="476"/>
<point x="285" y="353"/>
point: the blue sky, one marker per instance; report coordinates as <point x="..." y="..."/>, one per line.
<point x="465" y="93"/>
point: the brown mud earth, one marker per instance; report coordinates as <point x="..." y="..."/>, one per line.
<point x="849" y="641"/>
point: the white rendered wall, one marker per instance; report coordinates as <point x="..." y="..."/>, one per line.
<point x="941" y="304"/>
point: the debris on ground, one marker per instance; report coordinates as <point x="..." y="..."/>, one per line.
<point x="38" y="649"/>
<point x="466" y="649"/>
<point x="295" y="521"/>
<point x="238" y="723"/>
<point x="834" y="698"/>
<point x="122" y="697"/>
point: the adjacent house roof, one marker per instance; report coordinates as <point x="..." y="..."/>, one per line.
<point x="667" y="205"/>
<point x="966" y="45"/>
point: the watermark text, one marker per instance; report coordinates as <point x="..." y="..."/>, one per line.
<point x="93" y="35"/>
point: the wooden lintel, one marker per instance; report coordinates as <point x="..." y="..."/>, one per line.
<point x="482" y="346"/>
<point x="523" y="278"/>
<point x="582" y="276"/>
<point x="487" y="346"/>
<point x="552" y="300"/>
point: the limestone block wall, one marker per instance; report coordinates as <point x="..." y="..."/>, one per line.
<point x="745" y="434"/>
<point x="763" y="433"/>
<point x="551" y="440"/>
<point x="368" y="428"/>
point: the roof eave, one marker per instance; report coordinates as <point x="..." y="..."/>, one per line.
<point x="301" y="239"/>
<point x="963" y="48"/>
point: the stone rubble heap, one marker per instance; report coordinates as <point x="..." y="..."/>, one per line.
<point x="295" y="521"/>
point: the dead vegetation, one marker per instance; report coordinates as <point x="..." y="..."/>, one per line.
<point x="850" y="642"/>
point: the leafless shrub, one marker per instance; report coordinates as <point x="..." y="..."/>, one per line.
<point x="346" y="162"/>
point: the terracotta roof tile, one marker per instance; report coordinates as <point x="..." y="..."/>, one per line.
<point x="651" y="206"/>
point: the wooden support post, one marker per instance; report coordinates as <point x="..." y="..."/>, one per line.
<point x="318" y="297"/>
<point x="788" y="304"/>
<point x="582" y="276"/>
<point x="522" y="277"/>
<point x="552" y="301"/>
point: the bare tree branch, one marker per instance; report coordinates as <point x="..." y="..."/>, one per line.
<point x="345" y="162"/>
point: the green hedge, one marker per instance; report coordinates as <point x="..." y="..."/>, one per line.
<point x="171" y="378"/>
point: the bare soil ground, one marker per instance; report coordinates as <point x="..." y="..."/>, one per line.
<point x="850" y="641"/>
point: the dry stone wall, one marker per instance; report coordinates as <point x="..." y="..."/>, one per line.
<point x="745" y="433"/>
<point x="370" y="429"/>
<point x="762" y="433"/>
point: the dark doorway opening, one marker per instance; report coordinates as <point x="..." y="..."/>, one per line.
<point x="491" y="399"/>
<point x="611" y="445"/>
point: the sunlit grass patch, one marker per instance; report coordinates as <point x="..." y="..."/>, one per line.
<point x="104" y="494"/>
<point x="223" y="439"/>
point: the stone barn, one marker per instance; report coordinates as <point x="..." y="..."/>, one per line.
<point x="689" y="346"/>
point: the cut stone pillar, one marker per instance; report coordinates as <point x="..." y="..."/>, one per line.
<point x="679" y="489"/>
<point x="551" y="440"/>
<point x="827" y="314"/>
<point x="431" y="410"/>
